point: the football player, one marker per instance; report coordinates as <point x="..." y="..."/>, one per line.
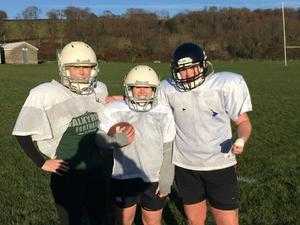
<point x="57" y="127"/>
<point x="142" y="172"/>
<point x="204" y="104"/>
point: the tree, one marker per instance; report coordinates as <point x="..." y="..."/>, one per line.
<point x="55" y="34"/>
<point x="3" y="15"/>
<point x="81" y="24"/>
<point x="31" y="13"/>
<point x="139" y="34"/>
<point x="55" y="14"/>
<point x="29" y="27"/>
<point x="107" y="13"/>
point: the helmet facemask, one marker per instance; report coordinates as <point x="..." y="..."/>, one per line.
<point x="189" y="66"/>
<point x="78" y="54"/>
<point x="186" y="82"/>
<point x="140" y="103"/>
<point x="82" y="86"/>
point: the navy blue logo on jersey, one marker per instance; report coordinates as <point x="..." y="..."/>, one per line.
<point x="226" y="145"/>
<point x="214" y="113"/>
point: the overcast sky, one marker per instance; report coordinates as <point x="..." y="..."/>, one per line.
<point x="15" y="7"/>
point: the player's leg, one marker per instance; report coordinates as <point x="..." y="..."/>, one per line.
<point x="191" y="189"/>
<point x="67" y="191"/>
<point x="225" y="217"/>
<point x="98" y="198"/>
<point x="223" y="195"/>
<point x="125" y="216"/>
<point x="152" y="205"/>
<point x="151" y="217"/>
<point x="125" y="195"/>
<point x="98" y="188"/>
<point x="196" y="213"/>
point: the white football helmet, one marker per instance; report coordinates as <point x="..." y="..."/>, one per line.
<point x="78" y="54"/>
<point x="141" y="76"/>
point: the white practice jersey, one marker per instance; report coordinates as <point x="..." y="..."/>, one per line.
<point x="143" y="157"/>
<point x="202" y="117"/>
<point x="51" y="109"/>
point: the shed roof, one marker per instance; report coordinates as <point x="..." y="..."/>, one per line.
<point x="12" y="45"/>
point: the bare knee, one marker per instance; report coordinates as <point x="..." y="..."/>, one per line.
<point x="151" y="217"/>
<point x="196" y="220"/>
<point x="125" y="216"/>
<point x="196" y="213"/>
<point x="225" y="217"/>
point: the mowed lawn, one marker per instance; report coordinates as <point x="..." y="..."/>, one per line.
<point x="268" y="171"/>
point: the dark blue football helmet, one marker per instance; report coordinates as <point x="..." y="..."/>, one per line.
<point x="189" y="56"/>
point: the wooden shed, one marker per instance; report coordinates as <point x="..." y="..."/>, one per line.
<point x="19" y="53"/>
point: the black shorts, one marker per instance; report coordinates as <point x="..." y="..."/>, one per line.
<point x="129" y="192"/>
<point x="219" y="187"/>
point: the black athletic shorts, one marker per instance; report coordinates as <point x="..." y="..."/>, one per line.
<point x="129" y="192"/>
<point x="219" y="187"/>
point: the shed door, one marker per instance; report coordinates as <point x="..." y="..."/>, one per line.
<point x="24" y="55"/>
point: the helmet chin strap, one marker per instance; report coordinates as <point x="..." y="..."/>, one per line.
<point x="81" y="88"/>
<point x="140" y="107"/>
<point x="210" y="68"/>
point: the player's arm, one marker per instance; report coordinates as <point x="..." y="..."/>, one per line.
<point x="244" y="129"/>
<point x="166" y="175"/>
<point x="30" y="150"/>
<point x="49" y="165"/>
<point x="123" y="137"/>
<point x="162" y="96"/>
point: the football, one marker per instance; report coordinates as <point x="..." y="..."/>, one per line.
<point x="119" y="126"/>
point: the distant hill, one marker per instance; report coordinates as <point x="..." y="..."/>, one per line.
<point x="225" y="33"/>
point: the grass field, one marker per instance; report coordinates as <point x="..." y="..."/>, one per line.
<point x="269" y="170"/>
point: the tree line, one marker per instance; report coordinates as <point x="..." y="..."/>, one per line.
<point x="140" y="35"/>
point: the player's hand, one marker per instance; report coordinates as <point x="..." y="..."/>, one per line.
<point x="113" y="98"/>
<point x="238" y="146"/>
<point x="57" y="166"/>
<point x="159" y="194"/>
<point x="128" y="130"/>
<point x="123" y="128"/>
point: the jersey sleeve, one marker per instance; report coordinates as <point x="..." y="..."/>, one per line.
<point x="169" y="129"/>
<point x="32" y="120"/>
<point x="237" y="99"/>
<point x="162" y="95"/>
<point x="108" y="119"/>
<point x="101" y="92"/>
<point x="104" y="90"/>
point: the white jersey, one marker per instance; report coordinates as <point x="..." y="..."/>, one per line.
<point x="202" y="117"/>
<point x="51" y="109"/>
<point x="143" y="157"/>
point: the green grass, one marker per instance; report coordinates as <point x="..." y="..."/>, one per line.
<point x="269" y="169"/>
